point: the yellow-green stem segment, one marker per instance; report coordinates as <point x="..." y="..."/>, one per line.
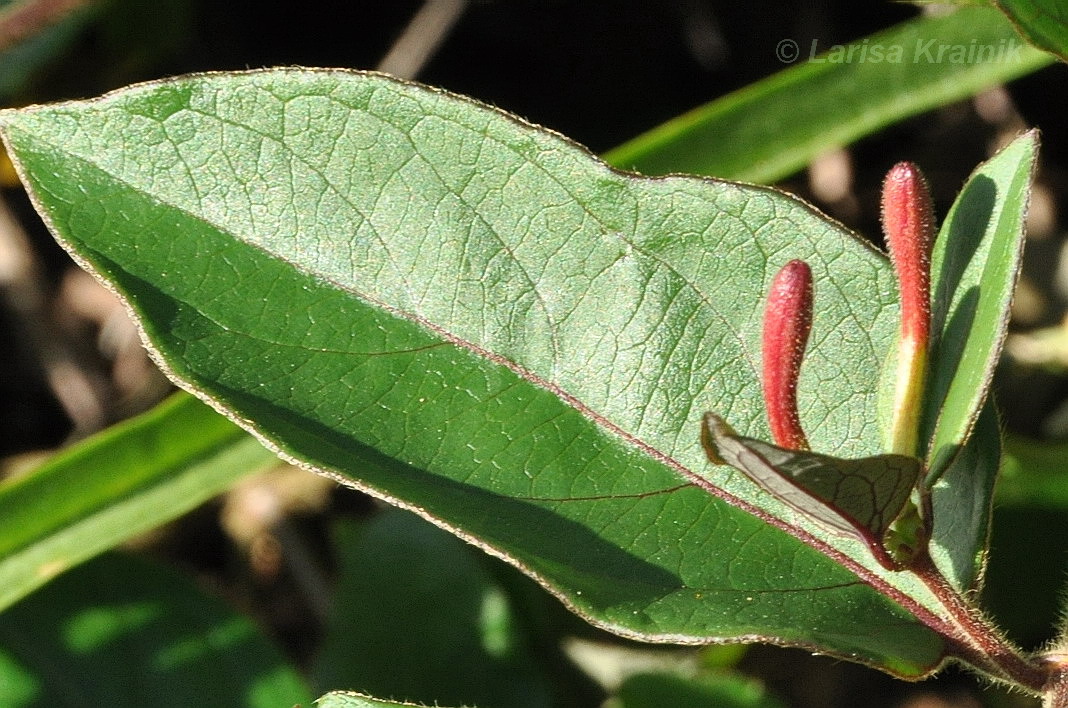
<point x="908" y="397"/>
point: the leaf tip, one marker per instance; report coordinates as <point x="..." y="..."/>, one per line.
<point x="714" y="427"/>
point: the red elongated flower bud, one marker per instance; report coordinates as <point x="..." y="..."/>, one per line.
<point x="908" y="224"/>
<point x="787" y="322"/>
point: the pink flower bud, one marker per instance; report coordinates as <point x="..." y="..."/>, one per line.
<point x="908" y="223"/>
<point x="787" y="322"/>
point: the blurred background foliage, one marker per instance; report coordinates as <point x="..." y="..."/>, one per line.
<point x="322" y="588"/>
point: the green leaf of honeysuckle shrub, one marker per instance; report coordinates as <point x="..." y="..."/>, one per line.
<point x="474" y="318"/>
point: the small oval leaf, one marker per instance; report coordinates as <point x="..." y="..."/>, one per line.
<point x="860" y="498"/>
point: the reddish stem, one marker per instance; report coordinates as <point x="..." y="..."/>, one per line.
<point x="787" y="323"/>
<point x="1056" y="690"/>
<point x="977" y="641"/>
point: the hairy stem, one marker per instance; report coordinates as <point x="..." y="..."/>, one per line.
<point x="1056" y="690"/>
<point x="977" y="640"/>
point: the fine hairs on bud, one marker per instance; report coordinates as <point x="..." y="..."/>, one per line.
<point x="787" y="323"/>
<point x="908" y="224"/>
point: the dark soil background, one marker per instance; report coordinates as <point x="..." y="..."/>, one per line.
<point x="600" y="72"/>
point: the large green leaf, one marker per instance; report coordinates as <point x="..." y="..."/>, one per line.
<point x="119" y="483"/>
<point x="772" y="128"/>
<point x="417" y="616"/>
<point x="1043" y="22"/>
<point x="669" y="145"/>
<point x="475" y="319"/>
<point x="124" y="633"/>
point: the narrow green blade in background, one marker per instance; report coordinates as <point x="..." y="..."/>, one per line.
<point x="470" y="317"/>
<point x="1032" y="506"/>
<point x="119" y="483"/>
<point x="770" y="129"/>
<point x="23" y="61"/>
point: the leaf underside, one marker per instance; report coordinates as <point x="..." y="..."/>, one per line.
<point x="473" y="318"/>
